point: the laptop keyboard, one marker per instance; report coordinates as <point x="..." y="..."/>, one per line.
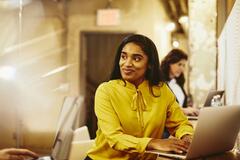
<point x="169" y="154"/>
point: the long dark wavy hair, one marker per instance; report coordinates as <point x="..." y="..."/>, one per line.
<point x="172" y="57"/>
<point x="153" y="73"/>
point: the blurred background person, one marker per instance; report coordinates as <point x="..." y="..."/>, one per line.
<point x="173" y="66"/>
<point x="16" y="154"/>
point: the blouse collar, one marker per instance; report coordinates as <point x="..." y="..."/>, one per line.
<point x="130" y="85"/>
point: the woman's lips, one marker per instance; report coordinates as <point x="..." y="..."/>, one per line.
<point x="127" y="71"/>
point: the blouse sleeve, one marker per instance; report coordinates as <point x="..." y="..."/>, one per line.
<point x="109" y="124"/>
<point x="177" y="123"/>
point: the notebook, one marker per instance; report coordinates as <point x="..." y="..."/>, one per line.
<point x="216" y="132"/>
<point x="208" y="100"/>
<point x="64" y="131"/>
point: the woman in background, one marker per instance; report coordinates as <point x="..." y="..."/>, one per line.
<point x="135" y="106"/>
<point x="172" y="67"/>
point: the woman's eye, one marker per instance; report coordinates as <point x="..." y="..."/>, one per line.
<point x="123" y="56"/>
<point x="180" y="64"/>
<point x="137" y="59"/>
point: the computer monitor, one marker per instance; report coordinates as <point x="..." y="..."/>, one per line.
<point x="64" y="132"/>
<point x="66" y="127"/>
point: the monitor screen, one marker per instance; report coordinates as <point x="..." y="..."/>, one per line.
<point x="65" y="127"/>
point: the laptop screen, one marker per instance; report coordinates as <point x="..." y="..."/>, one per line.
<point x="211" y="95"/>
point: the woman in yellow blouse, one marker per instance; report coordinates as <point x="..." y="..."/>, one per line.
<point x="135" y="106"/>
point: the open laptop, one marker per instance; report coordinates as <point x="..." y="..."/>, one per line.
<point x="64" y="131"/>
<point x="216" y="132"/>
<point x="210" y="96"/>
<point x="208" y="100"/>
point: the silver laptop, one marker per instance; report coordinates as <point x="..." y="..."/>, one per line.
<point x="64" y="131"/>
<point x="216" y="132"/>
<point x="210" y="96"/>
<point x="208" y="100"/>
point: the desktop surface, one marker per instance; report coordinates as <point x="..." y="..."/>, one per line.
<point x="223" y="156"/>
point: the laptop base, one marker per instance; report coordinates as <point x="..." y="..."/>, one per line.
<point x="168" y="154"/>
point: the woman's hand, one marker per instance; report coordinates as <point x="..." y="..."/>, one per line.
<point x="191" y="111"/>
<point x="187" y="139"/>
<point x="16" y="154"/>
<point x="170" y="144"/>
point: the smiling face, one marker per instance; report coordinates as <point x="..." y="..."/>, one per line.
<point x="176" y="69"/>
<point x="133" y="63"/>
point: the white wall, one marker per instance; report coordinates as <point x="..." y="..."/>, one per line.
<point x="203" y="49"/>
<point x="229" y="57"/>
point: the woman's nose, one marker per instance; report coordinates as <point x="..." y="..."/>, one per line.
<point x="128" y="62"/>
<point x="182" y="69"/>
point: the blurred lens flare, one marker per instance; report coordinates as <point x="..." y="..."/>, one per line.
<point x="7" y="72"/>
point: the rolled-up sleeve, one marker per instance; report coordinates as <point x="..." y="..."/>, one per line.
<point x="110" y="126"/>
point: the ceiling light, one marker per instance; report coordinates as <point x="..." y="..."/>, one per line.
<point x="171" y="26"/>
<point x="175" y="44"/>
<point x="183" y="19"/>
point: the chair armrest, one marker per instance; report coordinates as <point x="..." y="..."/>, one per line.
<point x="79" y="149"/>
<point x="81" y="134"/>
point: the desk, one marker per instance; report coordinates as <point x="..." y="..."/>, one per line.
<point x="223" y="156"/>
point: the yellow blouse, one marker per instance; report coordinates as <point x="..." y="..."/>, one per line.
<point x="128" y="117"/>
